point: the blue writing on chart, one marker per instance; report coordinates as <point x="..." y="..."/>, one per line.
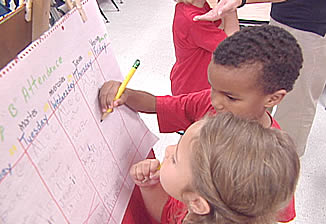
<point x="99" y="44"/>
<point x="5" y="171"/>
<point x="27" y="139"/>
<point x="98" y="49"/>
<point x="79" y="73"/>
<point x="59" y="98"/>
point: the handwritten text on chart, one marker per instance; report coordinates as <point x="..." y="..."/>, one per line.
<point x="56" y="86"/>
<point x="24" y="123"/>
<point x="56" y="101"/>
<point x="99" y="44"/>
<point x="78" y="73"/>
<point x="33" y="83"/>
<point x="56" y="161"/>
<point x="28" y="139"/>
<point x="5" y="171"/>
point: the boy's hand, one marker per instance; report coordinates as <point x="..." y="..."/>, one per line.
<point x="145" y="173"/>
<point x="107" y="94"/>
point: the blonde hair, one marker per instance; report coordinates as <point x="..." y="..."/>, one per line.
<point x="245" y="172"/>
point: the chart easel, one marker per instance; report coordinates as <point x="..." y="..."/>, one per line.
<point x="17" y="33"/>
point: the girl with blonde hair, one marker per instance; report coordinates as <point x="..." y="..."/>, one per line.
<point x="224" y="170"/>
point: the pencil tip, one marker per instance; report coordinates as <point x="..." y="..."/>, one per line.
<point x="101" y="120"/>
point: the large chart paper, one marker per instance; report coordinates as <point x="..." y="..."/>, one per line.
<point x="58" y="162"/>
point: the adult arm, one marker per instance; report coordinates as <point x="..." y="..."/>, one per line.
<point x="231" y="23"/>
<point x="224" y="7"/>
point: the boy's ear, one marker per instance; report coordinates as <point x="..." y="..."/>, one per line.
<point x="196" y="203"/>
<point x="275" y="98"/>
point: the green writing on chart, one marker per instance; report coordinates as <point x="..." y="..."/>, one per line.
<point x="98" y="45"/>
<point x="33" y="83"/>
<point x="12" y="110"/>
<point x="98" y="39"/>
<point x="2" y="130"/>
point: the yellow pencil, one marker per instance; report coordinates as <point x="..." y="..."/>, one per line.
<point x="122" y="86"/>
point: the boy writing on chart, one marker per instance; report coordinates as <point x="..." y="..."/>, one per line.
<point x="306" y="21"/>
<point x="223" y="170"/>
<point x="250" y="71"/>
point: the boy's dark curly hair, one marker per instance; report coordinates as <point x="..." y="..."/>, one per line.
<point x="272" y="47"/>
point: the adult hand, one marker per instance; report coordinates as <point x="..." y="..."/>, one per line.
<point x="222" y="8"/>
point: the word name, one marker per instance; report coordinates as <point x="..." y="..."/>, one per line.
<point x="97" y="39"/>
<point x="56" y="86"/>
<point x="76" y="61"/>
<point x="24" y="123"/>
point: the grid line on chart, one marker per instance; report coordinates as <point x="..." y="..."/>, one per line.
<point x="24" y="150"/>
<point x="98" y="64"/>
<point x="38" y="172"/>
<point x="35" y="166"/>
<point x="111" y="151"/>
<point x="49" y="118"/>
<point x="136" y="147"/>
<point x="90" y="209"/>
<point x="77" y="155"/>
<point x="107" y="143"/>
<point x="96" y="123"/>
<point x="98" y="127"/>
<point x="125" y="177"/>
<point x="13" y="166"/>
<point x="45" y="184"/>
<point x="91" y="213"/>
<point x="132" y="140"/>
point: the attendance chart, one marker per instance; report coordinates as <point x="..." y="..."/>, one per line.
<point x="58" y="162"/>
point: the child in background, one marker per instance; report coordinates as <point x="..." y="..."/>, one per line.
<point x="250" y="71"/>
<point x="194" y="43"/>
<point x="223" y="170"/>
